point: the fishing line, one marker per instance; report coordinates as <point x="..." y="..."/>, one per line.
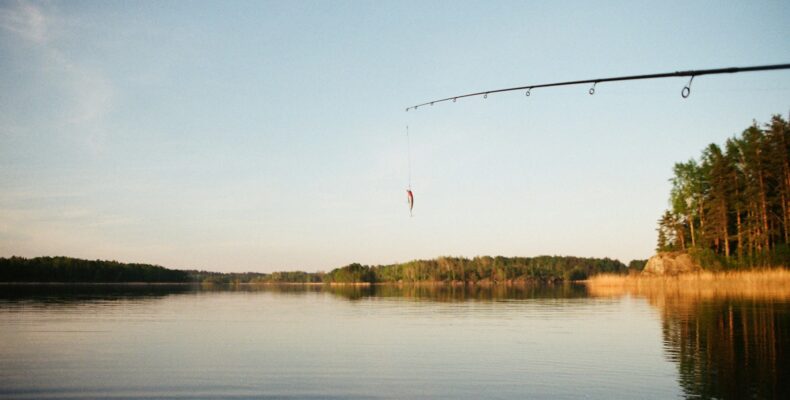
<point x="408" y="153"/>
<point x="685" y="92"/>
<point x="409" y="193"/>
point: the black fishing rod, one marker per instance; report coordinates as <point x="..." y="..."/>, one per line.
<point x="684" y="93"/>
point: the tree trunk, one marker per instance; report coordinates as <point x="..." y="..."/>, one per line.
<point x="725" y="234"/>
<point x="784" y="217"/>
<point x="750" y="230"/>
<point x="740" y="233"/>
<point x="702" y="222"/>
<point x="786" y="203"/>
<point x="679" y="232"/>
<point x="763" y="211"/>
<point x="691" y="227"/>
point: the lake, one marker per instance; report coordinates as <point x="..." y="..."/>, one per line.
<point x="387" y="342"/>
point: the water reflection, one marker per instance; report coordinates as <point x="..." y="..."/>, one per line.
<point x="440" y="293"/>
<point x="64" y="294"/>
<point x="723" y="345"/>
<point x="727" y="346"/>
<point x="448" y="293"/>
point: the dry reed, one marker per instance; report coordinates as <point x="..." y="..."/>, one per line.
<point x="752" y="284"/>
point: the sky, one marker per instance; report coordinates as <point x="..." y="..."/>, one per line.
<point x="264" y="136"/>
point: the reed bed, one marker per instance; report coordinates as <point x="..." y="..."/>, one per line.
<point x="753" y="284"/>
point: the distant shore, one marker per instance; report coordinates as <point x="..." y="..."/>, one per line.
<point x="12" y="283"/>
<point x="459" y="272"/>
<point x="455" y="271"/>
<point x="208" y="284"/>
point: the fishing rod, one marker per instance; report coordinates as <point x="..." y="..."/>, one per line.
<point x="684" y="93"/>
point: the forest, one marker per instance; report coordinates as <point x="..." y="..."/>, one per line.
<point x="66" y="269"/>
<point x="486" y="269"/>
<point x="731" y="208"/>
<point x="443" y="269"/>
<point x="255" y="277"/>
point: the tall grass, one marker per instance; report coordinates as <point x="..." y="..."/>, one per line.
<point x="752" y="284"/>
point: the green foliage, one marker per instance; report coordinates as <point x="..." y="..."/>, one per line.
<point x="65" y="269"/>
<point x="490" y="270"/>
<point x="781" y="255"/>
<point x="255" y="277"/>
<point x="576" y="274"/>
<point x="732" y="208"/>
<point x="353" y="273"/>
<point x="669" y="232"/>
<point x="478" y="270"/>
<point x="707" y="258"/>
<point x="637" y="265"/>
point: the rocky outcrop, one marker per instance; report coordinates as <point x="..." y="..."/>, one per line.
<point x="670" y="263"/>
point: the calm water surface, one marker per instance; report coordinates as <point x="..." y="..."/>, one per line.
<point x="386" y="342"/>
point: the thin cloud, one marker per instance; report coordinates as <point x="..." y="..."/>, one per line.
<point x="25" y="20"/>
<point x="89" y="92"/>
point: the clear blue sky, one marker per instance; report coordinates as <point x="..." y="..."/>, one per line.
<point x="264" y="136"/>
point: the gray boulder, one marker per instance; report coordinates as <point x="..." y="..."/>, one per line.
<point x="670" y="263"/>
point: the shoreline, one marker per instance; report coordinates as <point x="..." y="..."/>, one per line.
<point x="766" y="278"/>
<point x="773" y="283"/>
<point x="98" y="283"/>
<point x="360" y="284"/>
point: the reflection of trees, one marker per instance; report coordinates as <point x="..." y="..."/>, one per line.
<point x="53" y="294"/>
<point x="282" y="288"/>
<point x="729" y="348"/>
<point x="727" y="344"/>
<point x="454" y="293"/>
<point x="75" y="293"/>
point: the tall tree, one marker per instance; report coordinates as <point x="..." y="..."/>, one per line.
<point x="717" y="169"/>
<point x="755" y="157"/>
<point x="687" y="195"/>
<point x="743" y="189"/>
<point x="736" y="184"/>
<point x="777" y="139"/>
<point x="668" y="233"/>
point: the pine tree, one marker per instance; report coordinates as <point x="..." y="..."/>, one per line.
<point x="717" y="169"/>
<point x="777" y="139"/>
<point x="737" y="197"/>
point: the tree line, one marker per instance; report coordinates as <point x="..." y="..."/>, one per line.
<point x="493" y="270"/>
<point x="731" y="208"/>
<point x="486" y="269"/>
<point x="66" y="269"/>
<point x="256" y="277"/>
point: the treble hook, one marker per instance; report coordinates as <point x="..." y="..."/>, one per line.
<point x="687" y="89"/>
<point x="592" y="89"/>
<point x="527" y="92"/>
